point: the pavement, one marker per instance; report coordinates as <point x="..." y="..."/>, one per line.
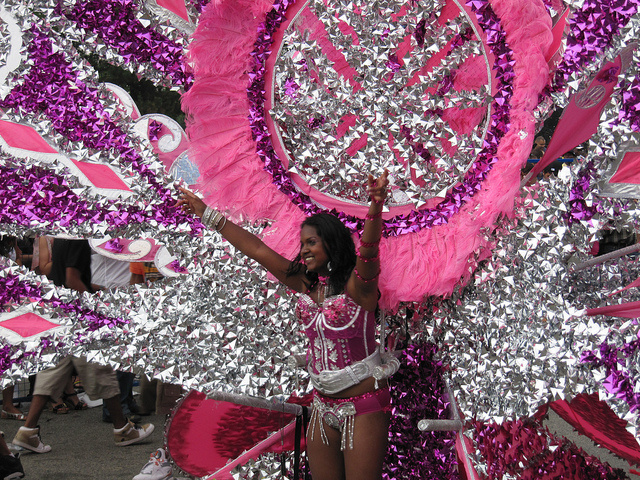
<point x="82" y="447"/>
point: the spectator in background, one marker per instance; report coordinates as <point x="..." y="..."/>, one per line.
<point x="143" y="272"/>
<point x="10" y="465"/>
<point x="111" y="273"/>
<point x="71" y="267"/>
<point x="539" y="147"/>
<point x="41" y="263"/>
<point x="613" y="239"/>
<point x="9" y="248"/>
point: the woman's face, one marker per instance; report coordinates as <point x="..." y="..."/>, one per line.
<point x="312" y="250"/>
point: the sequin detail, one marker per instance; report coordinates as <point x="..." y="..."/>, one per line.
<point x="340" y="331"/>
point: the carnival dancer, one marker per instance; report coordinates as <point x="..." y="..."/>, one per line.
<point x="348" y="430"/>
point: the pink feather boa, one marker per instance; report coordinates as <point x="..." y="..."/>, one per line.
<point x="414" y="266"/>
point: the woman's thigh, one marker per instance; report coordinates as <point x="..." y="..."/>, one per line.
<point x="326" y="461"/>
<point x="370" y="437"/>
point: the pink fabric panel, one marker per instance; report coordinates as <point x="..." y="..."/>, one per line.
<point x="205" y="434"/>
<point x="578" y="124"/>
<point x="176" y="6"/>
<point x="28" y="324"/>
<point x="357" y="144"/>
<point x="558" y="35"/>
<point x="463" y="464"/>
<point x="189" y="436"/>
<point x="626" y="310"/>
<point x="346" y="123"/>
<point x="101" y="176"/>
<point x="629" y="169"/>
<point x="22" y="136"/>
<point x="593" y="418"/>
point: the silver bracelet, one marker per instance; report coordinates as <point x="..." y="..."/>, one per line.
<point x="212" y="218"/>
<point x="206" y="216"/>
<point x="223" y="219"/>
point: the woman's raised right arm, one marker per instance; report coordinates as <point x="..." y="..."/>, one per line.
<point x="245" y="241"/>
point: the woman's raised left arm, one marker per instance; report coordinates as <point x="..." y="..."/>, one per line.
<point x="363" y="284"/>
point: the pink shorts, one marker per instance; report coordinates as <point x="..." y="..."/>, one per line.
<point x="370" y="402"/>
<point x="340" y="413"/>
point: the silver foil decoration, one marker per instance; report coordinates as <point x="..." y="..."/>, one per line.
<point x="392" y="107"/>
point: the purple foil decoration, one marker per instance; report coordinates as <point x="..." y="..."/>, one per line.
<point x="591" y="31"/>
<point x="114" y="246"/>
<point x="609" y="75"/>
<point x="199" y="4"/>
<point x="419" y="148"/>
<point x="53" y="88"/>
<point x="291" y="88"/>
<point x="316" y="122"/>
<point x="618" y="382"/>
<point x="116" y="24"/>
<point x="11" y="355"/>
<point x="155" y="128"/>
<point x="418" y="392"/>
<point x="420" y="32"/>
<point x="32" y="195"/>
<point x="525" y="450"/>
<point x="176" y="267"/>
<point x="579" y="209"/>
<point x="415" y="220"/>
<point x="393" y="64"/>
<point x="446" y="84"/>
<point x="630" y="110"/>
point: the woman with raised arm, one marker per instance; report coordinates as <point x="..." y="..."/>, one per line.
<point x="348" y="429"/>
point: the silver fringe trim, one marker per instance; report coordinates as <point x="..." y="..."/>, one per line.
<point x="340" y="417"/>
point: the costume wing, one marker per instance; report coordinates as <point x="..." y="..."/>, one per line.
<point x="292" y="104"/>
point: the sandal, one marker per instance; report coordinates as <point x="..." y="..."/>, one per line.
<point x="80" y="405"/>
<point x="59" y="408"/>
<point x="77" y="385"/>
<point x="12" y="416"/>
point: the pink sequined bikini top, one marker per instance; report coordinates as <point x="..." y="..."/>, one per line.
<point x="340" y="331"/>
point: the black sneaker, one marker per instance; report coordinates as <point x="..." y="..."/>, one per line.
<point x="11" y="467"/>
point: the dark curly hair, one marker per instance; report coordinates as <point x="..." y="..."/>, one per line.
<point x="338" y="244"/>
<point x="7" y="244"/>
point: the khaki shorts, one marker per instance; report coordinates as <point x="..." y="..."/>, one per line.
<point x="99" y="381"/>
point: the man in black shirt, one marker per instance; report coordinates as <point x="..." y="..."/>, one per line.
<point x="71" y="264"/>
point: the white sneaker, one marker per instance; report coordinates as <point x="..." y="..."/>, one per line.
<point x="158" y="467"/>
<point x="29" y="438"/>
<point x="130" y="433"/>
